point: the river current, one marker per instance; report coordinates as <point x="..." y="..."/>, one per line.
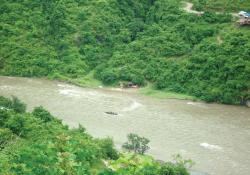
<point x="216" y="137"/>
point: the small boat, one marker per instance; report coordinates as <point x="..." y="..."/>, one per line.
<point x="111" y="113"/>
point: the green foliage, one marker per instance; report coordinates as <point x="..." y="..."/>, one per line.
<point x="16" y="124"/>
<point x="14" y="104"/>
<point x="107" y="172"/>
<point x="222" y="5"/>
<point x="216" y="18"/>
<point x="192" y="76"/>
<point x="42" y="114"/>
<point x="17" y="105"/>
<point x="107" y="146"/>
<point x="136" y="144"/>
<point x="5" y="136"/>
<point x="137" y="41"/>
<point x="5" y="102"/>
<point x="109" y="76"/>
<point x="4" y="116"/>
<point x="145" y="165"/>
<point x="172" y="169"/>
<point x="1" y="63"/>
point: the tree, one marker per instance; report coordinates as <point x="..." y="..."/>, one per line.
<point x="54" y="17"/>
<point x="109" y="76"/>
<point x="17" y="105"/>
<point x="137" y="144"/>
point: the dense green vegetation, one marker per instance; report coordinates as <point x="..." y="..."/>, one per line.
<point x="222" y="5"/>
<point x="140" y="41"/>
<point x="37" y="143"/>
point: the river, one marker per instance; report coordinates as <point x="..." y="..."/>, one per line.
<point x="216" y="137"/>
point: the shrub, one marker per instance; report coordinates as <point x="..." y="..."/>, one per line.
<point x="216" y="18"/>
<point x="4" y="116"/>
<point x="16" y="124"/>
<point x="14" y="104"/>
<point x="17" y="105"/>
<point x="107" y="146"/>
<point x="107" y="172"/>
<point x="173" y="169"/>
<point x="5" y="136"/>
<point x="5" y="102"/>
<point x="42" y="114"/>
<point x="136" y="144"/>
<point x="109" y="76"/>
<point x="138" y="80"/>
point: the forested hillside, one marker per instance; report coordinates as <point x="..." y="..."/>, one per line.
<point x="36" y="143"/>
<point x="222" y="5"/>
<point x="142" y="41"/>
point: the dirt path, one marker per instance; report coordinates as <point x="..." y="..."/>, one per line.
<point x="219" y="40"/>
<point x="189" y="8"/>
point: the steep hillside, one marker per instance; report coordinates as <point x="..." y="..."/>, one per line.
<point x="121" y="40"/>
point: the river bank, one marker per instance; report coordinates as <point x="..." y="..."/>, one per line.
<point x="149" y="90"/>
<point x="193" y="129"/>
<point x="90" y="82"/>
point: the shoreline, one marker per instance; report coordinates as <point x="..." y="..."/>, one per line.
<point x="147" y="91"/>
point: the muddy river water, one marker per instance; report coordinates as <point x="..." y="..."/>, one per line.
<point x="216" y="137"/>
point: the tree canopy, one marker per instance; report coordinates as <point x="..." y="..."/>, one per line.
<point x="149" y="41"/>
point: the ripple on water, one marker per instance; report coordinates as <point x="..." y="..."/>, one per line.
<point x="6" y="87"/>
<point x="210" y="147"/>
<point x="197" y="104"/>
<point x="75" y="92"/>
<point x="69" y="92"/>
<point x="132" y="107"/>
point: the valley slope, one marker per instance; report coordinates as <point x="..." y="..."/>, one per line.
<point x="142" y="41"/>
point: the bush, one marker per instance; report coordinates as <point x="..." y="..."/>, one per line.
<point x="14" y="104"/>
<point x="4" y="116"/>
<point x="216" y="18"/>
<point x="5" y="102"/>
<point x="136" y="144"/>
<point x="172" y="169"/>
<point x="107" y="172"/>
<point x="138" y="80"/>
<point x="109" y="76"/>
<point x="5" y="136"/>
<point x="107" y="146"/>
<point x="42" y="114"/>
<point x="16" y="124"/>
<point x="17" y="105"/>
